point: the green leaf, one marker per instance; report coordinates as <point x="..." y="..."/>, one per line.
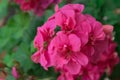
<point x="32" y="49"/>
<point x="10" y="77"/>
<point x="3" y="8"/>
<point x="57" y="29"/>
<point x="23" y="56"/>
<point x="8" y="60"/>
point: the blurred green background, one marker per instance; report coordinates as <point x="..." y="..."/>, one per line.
<point x="18" y="28"/>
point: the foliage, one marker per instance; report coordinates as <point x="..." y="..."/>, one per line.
<point x="18" y="29"/>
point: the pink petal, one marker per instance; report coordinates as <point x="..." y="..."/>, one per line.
<point x="59" y="61"/>
<point x="88" y="50"/>
<point x="80" y="58"/>
<point x="62" y="37"/>
<point x="60" y="18"/>
<point x="56" y="8"/>
<point x="36" y="57"/>
<point x="39" y="40"/>
<point x="98" y="31"/>
<point x="69" y="14"/>
<point x="78" y="7"/>
<point x="74" y="42"/>
<point x="108" y="29"/>
<point x="65" y="76"/>
<point x="73" y="67"/>
<point x="43" y="61"/>
<point x="100" y="47"/>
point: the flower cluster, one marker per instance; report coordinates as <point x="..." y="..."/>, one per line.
<point x="75" y="44"/>
<point x="38" y="6"/>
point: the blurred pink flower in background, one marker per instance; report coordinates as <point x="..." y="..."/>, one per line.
<point x="15" y="73"/>
<point x="37" y="6"/>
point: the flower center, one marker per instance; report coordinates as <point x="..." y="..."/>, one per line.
<point x="65" y="51"/>
<point x="45" y="44"/>
<point x="91" y="40"/>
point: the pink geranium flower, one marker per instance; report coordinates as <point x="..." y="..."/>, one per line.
<point x="75" y="44"/>
<point x="41" y="41"/>
<point x="65" y="17"/>
<point x="65" y="51"/>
